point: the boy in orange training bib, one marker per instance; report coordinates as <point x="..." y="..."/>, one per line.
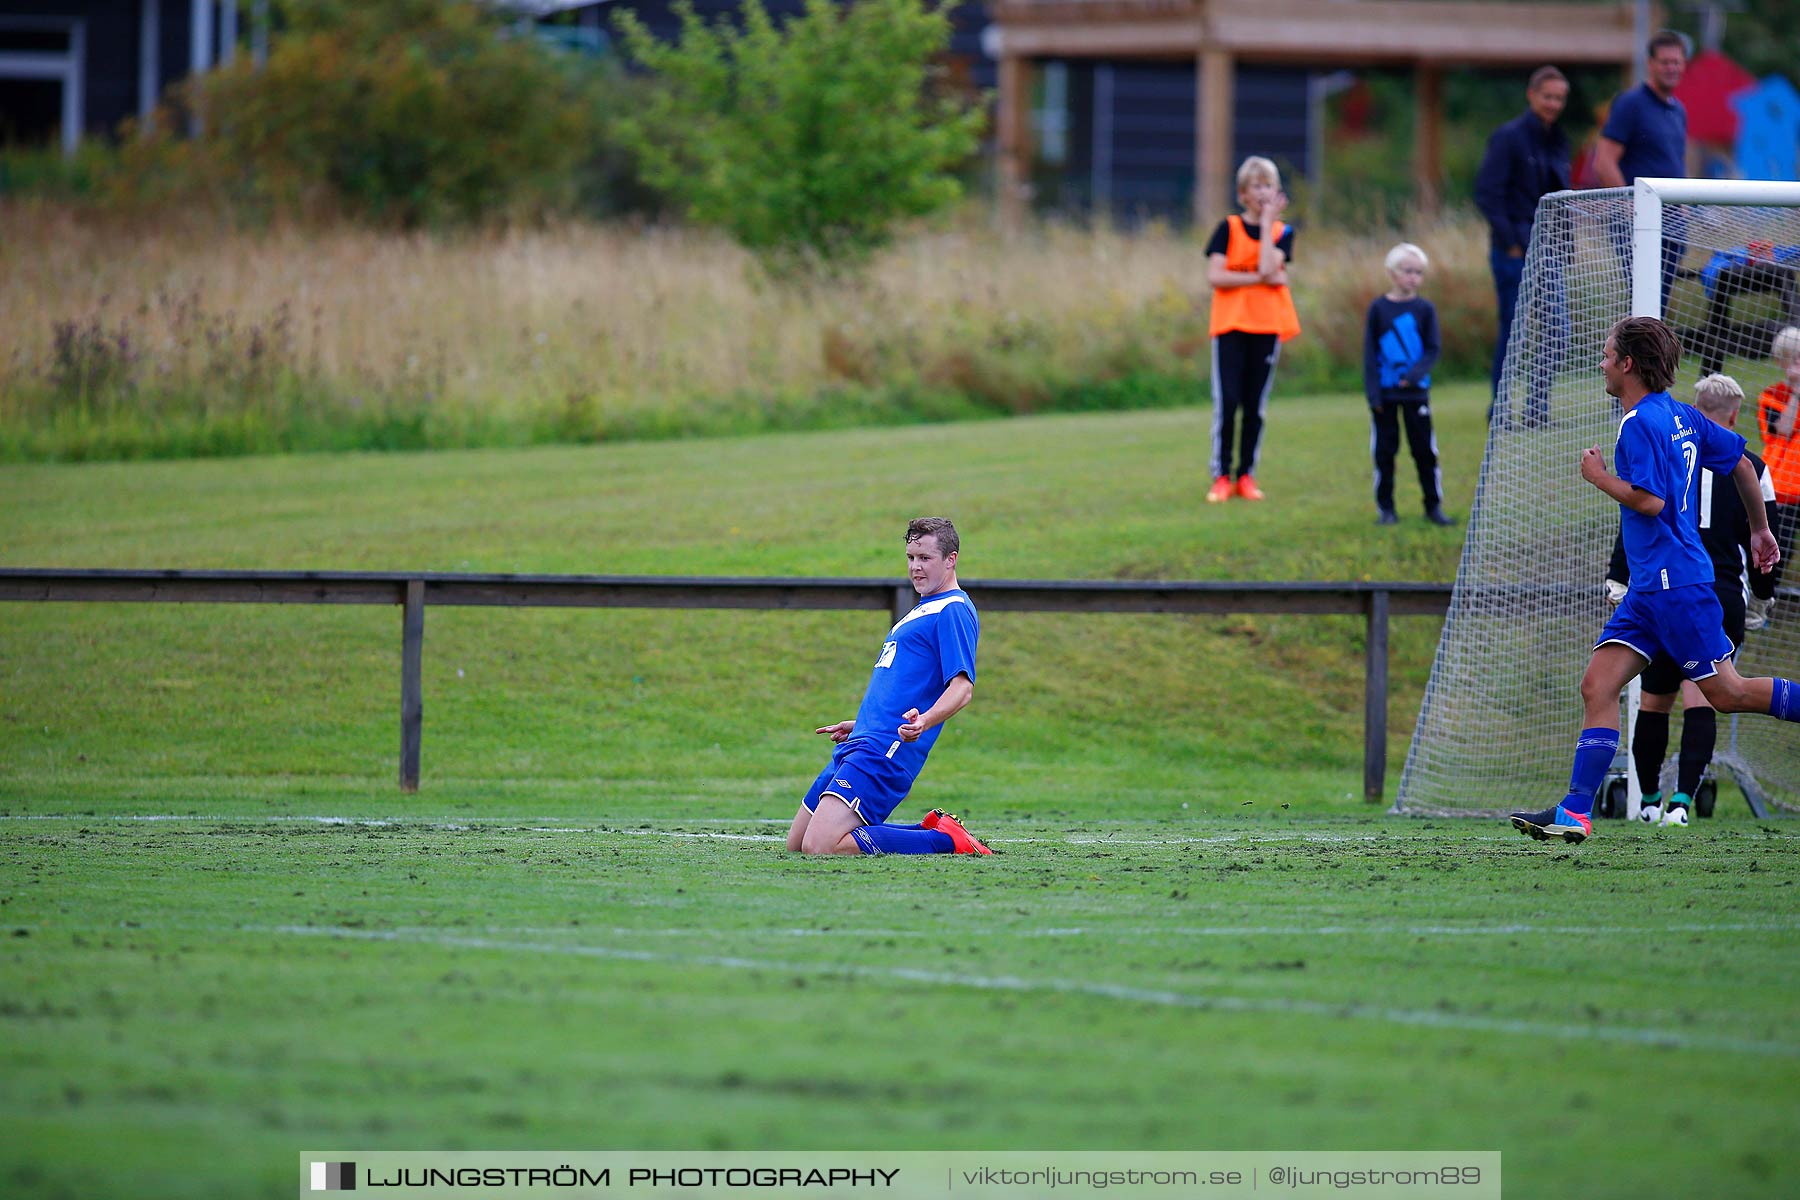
<point x="1252" y="314"/>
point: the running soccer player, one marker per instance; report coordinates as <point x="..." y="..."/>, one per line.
<point x="927" y="660"/>
<point x="1671" y="607"/>
<point x="1745" y="597"/>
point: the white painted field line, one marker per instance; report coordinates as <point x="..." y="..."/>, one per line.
<point x="1075" y="932"/>
<point x="459" y="825"/>
<point x="570" y="825"/>
<point x="1219" y="839"/>
<point x="1429" y="1018"/>
<point x="1507" y="930"/>
<point x="584" y="826"/>
<point x="561" y="824"/>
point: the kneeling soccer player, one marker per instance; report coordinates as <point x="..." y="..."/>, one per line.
<point x="927" y="659"/>
<point x="1671" y="608"/>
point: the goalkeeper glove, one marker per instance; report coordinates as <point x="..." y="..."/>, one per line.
<point x="1757" y="612"/>
<point x="1615" y="592"/>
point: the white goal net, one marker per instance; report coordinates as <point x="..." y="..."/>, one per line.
<point x="1720" y="262"/>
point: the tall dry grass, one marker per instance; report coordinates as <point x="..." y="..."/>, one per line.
<point x="119" y="338"/>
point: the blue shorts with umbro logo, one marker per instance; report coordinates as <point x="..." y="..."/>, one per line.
<point x="867" y="780"/>
<point x="1684" y="623"/>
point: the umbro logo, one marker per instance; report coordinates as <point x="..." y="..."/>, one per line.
<point x="1689" y="666"/>
<point x="844" y="783"/>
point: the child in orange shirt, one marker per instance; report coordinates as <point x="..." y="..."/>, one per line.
<point x="1776" y="411"/>
<point x="1252" y="314"/>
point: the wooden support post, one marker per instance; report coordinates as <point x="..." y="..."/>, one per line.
<point x="149" y="64"/>
<point x="1375" y="700"/>
<point x="1213" y="122"/>
<point x="1428" y="136"/>
<point x="1013" y="123"/>
<point x="905" y="598"/>
<point x="200" y="59"/>
<point x="228" y="32"/>
<point x="412" y="692"/>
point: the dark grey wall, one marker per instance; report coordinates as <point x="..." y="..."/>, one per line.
<point x="110" y="89"/>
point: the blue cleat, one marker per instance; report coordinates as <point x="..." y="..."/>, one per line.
<point x="1555" y="824"/>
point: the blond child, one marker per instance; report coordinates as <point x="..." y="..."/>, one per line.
<point x="1252" y="314"/>
<point x="1400" y="345"/>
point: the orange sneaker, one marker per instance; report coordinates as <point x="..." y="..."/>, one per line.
<point x="1247" y="489"/>
<point x="1221" y="490"/>
<point x="943" y="822"/>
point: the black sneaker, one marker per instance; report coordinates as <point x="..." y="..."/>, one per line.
<point x="1555" y="823"/>
<point x="1438" y="516"/>
<point x="1388" y="517"/>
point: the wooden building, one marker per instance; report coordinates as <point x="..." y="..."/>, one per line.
<point x="76" y="68"/>
<point x="1243" y="66"/>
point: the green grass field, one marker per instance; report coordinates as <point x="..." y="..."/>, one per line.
<point x="229" y="937"/>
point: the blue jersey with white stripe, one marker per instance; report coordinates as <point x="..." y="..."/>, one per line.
<point x="1663" y="445"/>
<point x="925" y="650"/>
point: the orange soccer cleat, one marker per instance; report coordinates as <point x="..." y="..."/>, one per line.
<point x="943" y="822"/>
<point x="1220" y="491"/>
<point x="1247" y="489"/>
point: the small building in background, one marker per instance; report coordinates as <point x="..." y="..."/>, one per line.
<point x="71" y="69"/>
<point x="1207" y="82"/>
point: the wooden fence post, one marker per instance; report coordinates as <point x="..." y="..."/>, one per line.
<point x="412" y="698"/>
<point x="904" y="600"/>
<point x="1375" y="699"/>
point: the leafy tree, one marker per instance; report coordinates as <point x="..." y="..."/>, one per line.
<point x="405" y="112"/>
<point x="807" y="143"/>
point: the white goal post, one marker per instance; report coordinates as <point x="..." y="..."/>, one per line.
<point x="1719" y="260"/>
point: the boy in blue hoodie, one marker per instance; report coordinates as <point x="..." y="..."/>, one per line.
<point x="1400" y="344"/>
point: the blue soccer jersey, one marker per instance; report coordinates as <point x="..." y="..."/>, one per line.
<point x="926" y="649"/>
<point x="1662" y="446"/>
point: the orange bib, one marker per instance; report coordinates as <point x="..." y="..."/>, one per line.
<point x="1781" y="454"/>
<point x="1260" y="307"/>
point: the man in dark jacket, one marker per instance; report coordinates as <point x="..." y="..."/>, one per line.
<point x="1527" y="158"/>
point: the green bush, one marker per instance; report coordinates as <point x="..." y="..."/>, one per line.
<point x="805" y="143"/>
<point x="404" y="112"/>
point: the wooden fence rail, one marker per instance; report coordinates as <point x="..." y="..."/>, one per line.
<point x="413" y="591"/>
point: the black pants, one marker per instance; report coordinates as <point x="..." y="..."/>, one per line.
<point x="1243" y="371"/>
<point x="1384" y="444"/>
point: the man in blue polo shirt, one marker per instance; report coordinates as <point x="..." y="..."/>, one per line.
<point x="1646" y="135"/>
<point x="923" y="676"/>
<point x="1671" y="607"/>
<point x="1646" y="129"/>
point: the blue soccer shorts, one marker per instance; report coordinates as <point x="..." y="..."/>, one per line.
<point x="867" y="780"/>
<point x="1663" y="676"/>
<point x="1684" y="623"/>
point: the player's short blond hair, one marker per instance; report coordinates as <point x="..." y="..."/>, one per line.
<point x="1257" y="167"/>
<point x="1718" y="396"/>
<point x="1402" y="252"/>
<point x="1786" y="346"/>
